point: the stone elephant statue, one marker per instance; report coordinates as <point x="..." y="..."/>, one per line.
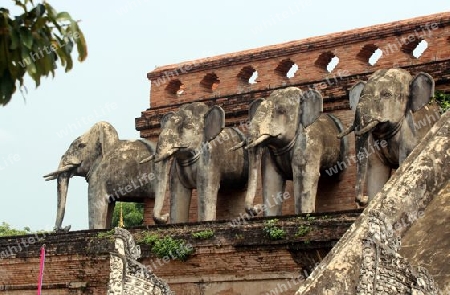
<point x="391" y="116"/>
<point x="196" y="139"/>
<point x="291" y="139"/>
<point x="111" y="168"/>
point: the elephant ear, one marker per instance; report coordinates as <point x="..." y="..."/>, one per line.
<point x="166" y="119"/>
<point x="214" y="122"/>
<point x="311" y="107"/>
<point x="421" y="91"/>
<point x="253" y="107"/>
<point x="107" y="136"/>
<point x="355" y="94"/>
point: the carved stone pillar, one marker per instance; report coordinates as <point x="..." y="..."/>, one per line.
<point x="128" y="276"/>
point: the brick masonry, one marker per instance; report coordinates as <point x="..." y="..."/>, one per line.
<point x="223" y="80"/>
<point x="236" y="260"/>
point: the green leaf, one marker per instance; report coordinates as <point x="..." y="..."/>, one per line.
<point x="14" y="38"/>
<point x="40" y="10"/>
<point x="6" y="88"/>
<point x="62" y="16"/>
<point x="26" y="37"/>
<point x="81" y="47"/>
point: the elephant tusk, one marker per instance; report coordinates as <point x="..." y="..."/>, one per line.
<point x="346" y="131"/>
<point x="148" y="159"/>
<point x="161" y="158"/>
<point x="238" y="146"/>
<point x="54" y="175"/>
<point x="258" y="141"/>
<point x="367" y="128"/>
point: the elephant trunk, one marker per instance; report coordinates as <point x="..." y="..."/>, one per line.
<point x="254" y="155"/>
<point x="162" y="169"/>
<point x="362" y="158"/>
<point x="62" y="188"/>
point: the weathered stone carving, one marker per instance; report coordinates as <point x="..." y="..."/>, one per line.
<point x="110" y="166"/>
<point x="414" y="186"/>
<point x="383" y="270"/>
<point x="391" y="116"/>
<point x="301" y="141"/>
<point x="196" y="139"/>
<point x="129" y="277"/>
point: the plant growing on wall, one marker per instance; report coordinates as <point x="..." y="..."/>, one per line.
<point x="167" y="247"/>
<point x="203" y="235"/>
<point x="302" y="230"/>
<point x="273" y="231"/>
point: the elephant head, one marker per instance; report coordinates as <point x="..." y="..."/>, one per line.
<point x="183" y="136"/>
<point x="381" y="105"/>
<point x="79" y="159"/>
<point x="276" y="122"/>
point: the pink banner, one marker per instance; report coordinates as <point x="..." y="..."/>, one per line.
<point x="41" y="270"/>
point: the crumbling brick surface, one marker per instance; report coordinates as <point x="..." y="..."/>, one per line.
<point x="239" y="257"/>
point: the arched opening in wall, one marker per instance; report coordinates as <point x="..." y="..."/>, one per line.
<point x="375" y="57"/>
<point x="327" y="61"/>
<point x="332" y="64"/>
<point x="420" y="49"/>
<point x="175" y="87"/>
<point x="286" y="68"/>
<point x="252" y="79"/>
<point x="248" y="75"/>
<point x="370" y="54"/>
<point x="415" y="48"/>
<point x="210" y="81"/>
<point x="292" y="71"/>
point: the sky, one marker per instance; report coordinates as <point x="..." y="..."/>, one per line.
<point x="127" y="39"/>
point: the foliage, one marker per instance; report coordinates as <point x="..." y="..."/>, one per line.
<point x="133" y="214"/>
<point x="148" y="238"/>
<point x="167" y="247"/>
<point x="7" y="231"/>
<point x="273" y="231"/>
<point x="302" y="230"/>
<point x="172" y="248"/>
<point x="32" y="42"/>
<point x="107" y="234"/>
<point x="443" y="100"/>
<point x="308" y="217"/>
<point x="203" y="235"/>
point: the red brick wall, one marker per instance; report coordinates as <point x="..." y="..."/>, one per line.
<point x="350" y="46"/>
<point x="76" y="263"/>
<point x="236" y="260"/>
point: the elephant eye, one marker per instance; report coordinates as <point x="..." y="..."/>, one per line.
<point x="281" y="110"/>
<point x="386" y="94"/>
<point x="81" y="145"/>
